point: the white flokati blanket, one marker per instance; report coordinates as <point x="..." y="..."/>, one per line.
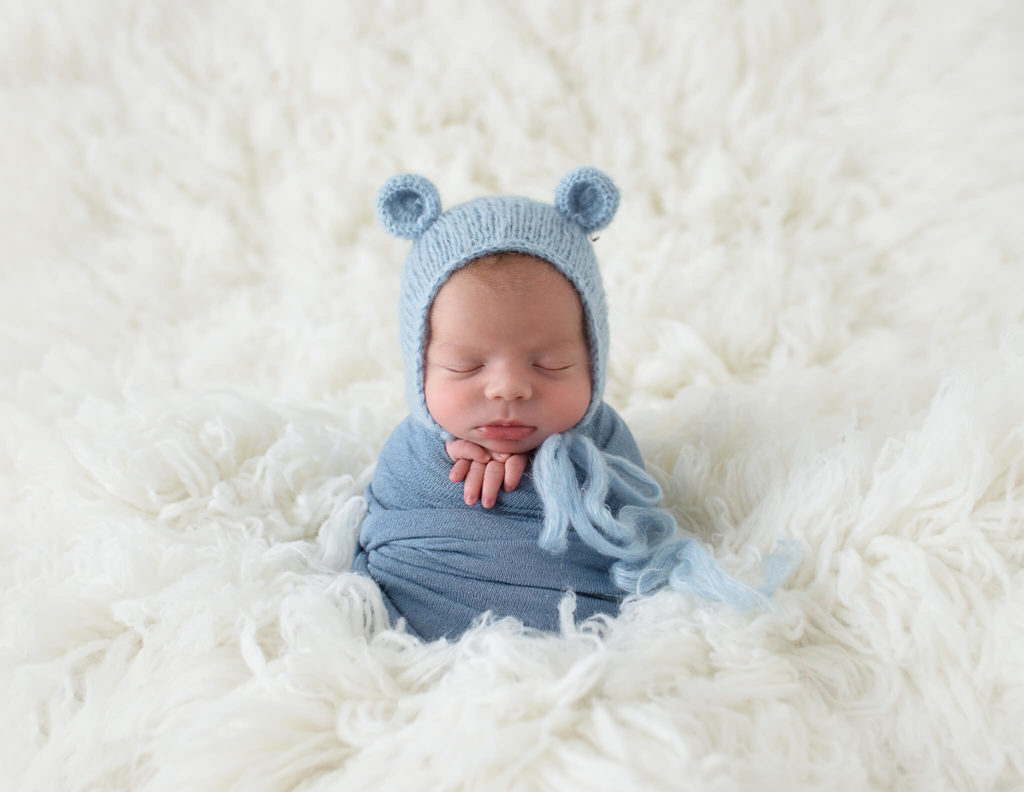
<point x="816" y="289"/>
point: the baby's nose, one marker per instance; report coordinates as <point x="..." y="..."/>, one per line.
<point x="509" y="384"/>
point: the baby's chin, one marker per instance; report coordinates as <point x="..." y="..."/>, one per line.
<point x="510" y="447"/>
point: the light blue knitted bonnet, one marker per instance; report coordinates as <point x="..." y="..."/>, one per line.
<point x="409" y="206"/>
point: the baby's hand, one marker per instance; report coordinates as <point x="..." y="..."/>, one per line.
<point x="483" y="472"/>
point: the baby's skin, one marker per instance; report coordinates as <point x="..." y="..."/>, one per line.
<point x="507" y="365"/>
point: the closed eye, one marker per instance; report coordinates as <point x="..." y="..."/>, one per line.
<point x="553" y="368"/>
<point x="462" y="369"/>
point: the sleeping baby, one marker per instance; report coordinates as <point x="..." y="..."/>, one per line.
<point x="511" y="483"/>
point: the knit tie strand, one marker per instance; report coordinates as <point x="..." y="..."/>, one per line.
<point x="641" y="536"/>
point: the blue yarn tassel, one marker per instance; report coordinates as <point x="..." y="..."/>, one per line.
<point x="641" y="536"/>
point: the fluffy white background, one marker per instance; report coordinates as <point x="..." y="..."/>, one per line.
<point x="817" y="300"/>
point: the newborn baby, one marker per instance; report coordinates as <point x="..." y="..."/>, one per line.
<point x="505" y="339"/>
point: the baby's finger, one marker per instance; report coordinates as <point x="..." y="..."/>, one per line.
<point x="494" y="474"/>
<point x="474" y="481"/>
<point x="459" y="470"/>
<point x="514" y="468"/>
<point x="463" y="449"/>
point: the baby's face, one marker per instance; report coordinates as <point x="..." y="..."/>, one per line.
<point x="507" y="362"/>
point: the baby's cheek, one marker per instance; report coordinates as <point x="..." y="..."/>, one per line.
<point x="574" y="401"/>
<point x="437" y="399"/>
<point x="446" y="403"/>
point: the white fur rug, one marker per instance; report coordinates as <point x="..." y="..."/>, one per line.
<point x="816" y="282"/>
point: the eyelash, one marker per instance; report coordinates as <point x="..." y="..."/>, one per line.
<point x="535" y="365"/>
<point x="553" y="368"/>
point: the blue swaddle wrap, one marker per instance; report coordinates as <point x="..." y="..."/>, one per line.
<point x="440" y="564"/>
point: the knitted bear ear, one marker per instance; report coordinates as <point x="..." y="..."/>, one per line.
<point x="588" y="198"/>
<point x="407" y="204"/>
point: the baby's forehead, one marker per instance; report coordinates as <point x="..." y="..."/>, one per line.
<point x="506" y="276"/>
<point x="505" y="288"/>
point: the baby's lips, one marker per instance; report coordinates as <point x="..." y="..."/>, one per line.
<point x="505" y="431"/>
